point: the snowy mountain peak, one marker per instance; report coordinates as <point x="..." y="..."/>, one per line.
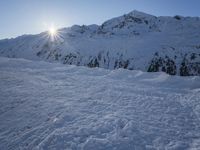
<point x="135" y="22"/>
<point x="139" y="14"/>
<point x="132" y="41"/>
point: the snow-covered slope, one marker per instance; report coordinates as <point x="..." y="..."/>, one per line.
<point x="54" y="106"/>
<point x="132" y="41"/>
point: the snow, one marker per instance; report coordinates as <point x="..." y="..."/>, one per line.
<point x="53" y="106"/>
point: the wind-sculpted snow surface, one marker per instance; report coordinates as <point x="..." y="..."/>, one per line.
<point x="134" y="41"/>
<point x="54" y="106"/>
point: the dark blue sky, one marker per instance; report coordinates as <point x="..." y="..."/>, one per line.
<point x="19" y="17"/>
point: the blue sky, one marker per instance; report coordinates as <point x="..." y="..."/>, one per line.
<point x="19" y="17"/>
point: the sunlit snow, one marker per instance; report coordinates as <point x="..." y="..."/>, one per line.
<point x="54" y="106"/>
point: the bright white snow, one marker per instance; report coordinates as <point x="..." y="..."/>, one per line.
<point x="55" y="106"/>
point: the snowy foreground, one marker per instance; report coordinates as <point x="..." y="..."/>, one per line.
<point x="55" y="106"/>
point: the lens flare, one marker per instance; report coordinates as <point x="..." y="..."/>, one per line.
<point x="52" y="31"/>
<point x="54" y="34"/>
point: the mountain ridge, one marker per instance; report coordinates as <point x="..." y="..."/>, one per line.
<point x="132" y="41"/>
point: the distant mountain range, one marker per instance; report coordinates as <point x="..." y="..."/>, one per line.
<point x="133" y="41"/>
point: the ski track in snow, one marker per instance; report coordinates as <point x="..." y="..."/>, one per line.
<point x="54" y="106"/>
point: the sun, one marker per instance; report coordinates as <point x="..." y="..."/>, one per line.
<point x="54" y="34"/>
<point x="52" y="31"/>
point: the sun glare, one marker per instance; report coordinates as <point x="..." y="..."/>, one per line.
<point x="52" y="31"/>
<point x="54" y="34"/>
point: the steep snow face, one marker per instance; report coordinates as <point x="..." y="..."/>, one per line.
<point x="132" y="41"/>
<point x="53" y="106"/>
